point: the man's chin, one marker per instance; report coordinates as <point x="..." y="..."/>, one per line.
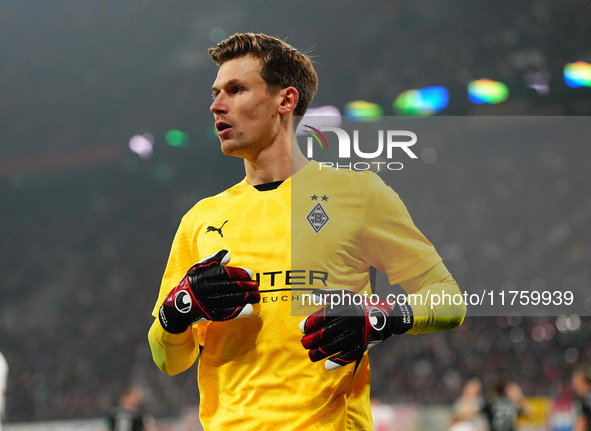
<point x="229" y="149"/>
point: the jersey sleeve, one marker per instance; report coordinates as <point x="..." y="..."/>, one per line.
<point x="174" y="353"/>
<point x="435" y="315"/>
<point x="390" y="240"/>
<point x="181" y="258"/>
<point x="394" y="245"/>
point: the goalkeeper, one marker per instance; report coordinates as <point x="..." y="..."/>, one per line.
<point x="286" y="230"/>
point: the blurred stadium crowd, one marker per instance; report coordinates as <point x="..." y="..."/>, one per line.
<point x="83" y="248"/>
<point x="79" y="287"/>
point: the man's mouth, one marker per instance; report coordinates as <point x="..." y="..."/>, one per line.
<point x="223" y="128"/>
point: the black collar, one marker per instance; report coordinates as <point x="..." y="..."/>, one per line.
<point x="268" y="186"/>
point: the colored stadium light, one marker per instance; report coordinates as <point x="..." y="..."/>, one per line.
<point x="142" y="145"/>
<point x="322" y="116"/>
<point x="423" y="101"/>
<point x="323" y="111"/>
<point x="538" y="81"/>
<point x="484" y="91"/>
<point x="211" y="132"/>
<point x="176" y="138"/>
<point x="577" y="74"/>
<point x="360" y="110"/>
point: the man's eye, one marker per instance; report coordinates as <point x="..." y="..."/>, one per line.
<point x="236" y="90"/>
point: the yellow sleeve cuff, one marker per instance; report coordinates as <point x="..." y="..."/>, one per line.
<point x="172" y="353"/>
<point x="436" y="301"/>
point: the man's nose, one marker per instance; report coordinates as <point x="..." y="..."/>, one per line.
<point x="218" y="105"/>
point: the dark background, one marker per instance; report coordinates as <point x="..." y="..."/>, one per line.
<point x="86" y="224"/>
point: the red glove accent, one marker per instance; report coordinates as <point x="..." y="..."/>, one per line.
<point x="209" y="291"/>
<point x="352" y="324"/>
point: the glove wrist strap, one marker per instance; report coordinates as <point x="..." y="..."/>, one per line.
<point x="401" y="319"/>
<point x="172" y="320"/>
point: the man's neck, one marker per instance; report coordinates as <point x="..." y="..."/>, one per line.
<point x="271" y="166"/>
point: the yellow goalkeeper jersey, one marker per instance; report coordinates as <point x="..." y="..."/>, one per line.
<point x="321" y="228"/>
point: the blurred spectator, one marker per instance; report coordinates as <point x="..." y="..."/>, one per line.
<point x="501" y="409"/>
<point x="581" y="382"/>
<point x="128" y="415"/>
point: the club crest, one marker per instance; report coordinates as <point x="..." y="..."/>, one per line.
<point x="317" y="218"/>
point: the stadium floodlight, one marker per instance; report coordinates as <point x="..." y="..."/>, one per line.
<point x="487" y="91"/>
<point x="577" y="74"/>
<point x="177" y="138"/>
<point x="361" y="110"/>
<point x="142" y="145"/>
<point x="422" y="101"/>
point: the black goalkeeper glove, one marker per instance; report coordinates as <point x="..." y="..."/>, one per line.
<point x="342" y="333"/>
<point x="209" y="291"/>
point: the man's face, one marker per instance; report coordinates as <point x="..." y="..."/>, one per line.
<point x="245" y="111"/>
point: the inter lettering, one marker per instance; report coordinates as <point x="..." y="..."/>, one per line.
<point x="318" y="275"/>
<point x="292" y="277"/>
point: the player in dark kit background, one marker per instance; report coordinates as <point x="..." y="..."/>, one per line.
<point x="128" y="415"/>
<point x="501" y="409"/>
<point x="581" y="383"/>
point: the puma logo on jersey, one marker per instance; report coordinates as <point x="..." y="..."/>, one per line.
<point x="216" y="229"/>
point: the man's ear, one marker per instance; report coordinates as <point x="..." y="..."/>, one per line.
<point x="289" y="100"/>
